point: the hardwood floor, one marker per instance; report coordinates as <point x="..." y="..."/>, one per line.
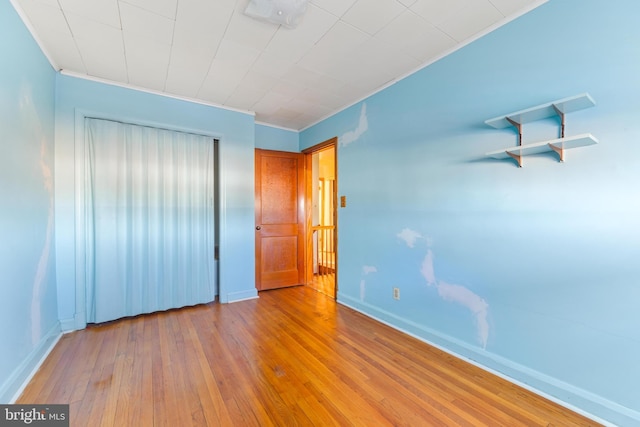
<point x="324" y="283"/>
<point x="292" y="357"/>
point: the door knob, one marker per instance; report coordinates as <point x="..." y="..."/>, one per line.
<point x="258" y="227"/>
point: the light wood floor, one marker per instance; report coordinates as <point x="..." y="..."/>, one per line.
<point x="291" y="357"/>
<point x="324" y="283"/>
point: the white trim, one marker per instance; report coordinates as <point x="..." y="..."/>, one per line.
<point x="243" y="299"/>
<point x="27" y="23"/>
<point x="447" y="52"/>
<point x="22" y="375"/>
<point x="276" y="126"/>
<point x="68" y="325"/>
<point x="68" y="73"/>
<point x="240" y="296"/>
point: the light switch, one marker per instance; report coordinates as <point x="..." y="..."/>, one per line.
<point x="343" y="201"/>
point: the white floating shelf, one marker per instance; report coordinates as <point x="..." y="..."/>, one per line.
<point x="558" y="145"/>
<point x="544" y="146"/>
<point x="566" y="105"/>
<point x="556" y="108"/>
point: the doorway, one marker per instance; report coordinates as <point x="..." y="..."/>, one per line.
<point x="322" y="232"/>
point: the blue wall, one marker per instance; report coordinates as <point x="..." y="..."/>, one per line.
<point x="28" y="310"/>
<point x="532" y="272"/>
<point x="273" y="138"/>
<point x="78" y="98"/>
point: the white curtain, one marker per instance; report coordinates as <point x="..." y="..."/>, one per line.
<point x="149" y="219"/>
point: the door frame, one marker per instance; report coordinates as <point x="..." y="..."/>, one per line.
<point x="308" y="191"/>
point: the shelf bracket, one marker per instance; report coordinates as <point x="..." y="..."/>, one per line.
<point x="558" y="150"/>
<point x="517" y="126"/>
<point x="561" y="115"/>
<point x="517" y="157"/>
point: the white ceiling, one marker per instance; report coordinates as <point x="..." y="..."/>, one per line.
<point x="209" y="51"/>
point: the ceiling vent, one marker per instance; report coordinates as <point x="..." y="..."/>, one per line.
<point x="287" y="13"/>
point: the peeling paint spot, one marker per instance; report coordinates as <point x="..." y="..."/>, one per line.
<point x="450" y="292"/>
<point x="409" y="236"/>
<point x="368" y="269"/>
<point x="353" y="135"/>
<point x="30" y="115"/>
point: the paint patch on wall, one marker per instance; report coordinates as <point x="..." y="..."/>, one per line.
<point x="366" y="269"/>
<point x="353" y="135"/>
<point x="32" y="121"/>
<point x="448" y="291"/>
<point x="409" y="236"/>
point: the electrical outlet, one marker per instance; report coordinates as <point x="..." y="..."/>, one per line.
<point x="396" y="293"/>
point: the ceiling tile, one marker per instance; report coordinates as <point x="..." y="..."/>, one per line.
<point x="218" y="85"/>
<point x="289" y="89"/>
<point x="45" y="16"/>
<point x="437" y="11"/>
<point x="415" y="36"/>
<point x="101" y="47"/>
<point x="104" y="57"/>
<point x="329" y="84"/>
<point x="244" y="97"/>
<point x="227" y="70"/>
<point x="237" y="55"/>
<point x="166" y="8"/>
<point x="208" y="49"/>
<point x="379" y="55"/>
<point x="49" y="3"/>
<point x="63" y="48"/>
<point x="258" y="81"/>
<point x="186" y="73"/>
<point x="249" y="32"/>
<point x="322" y="100"/>
<point x="361" y="74"/>
<point x="88" y="29"/>
<point x="273" y="65"/>
<point x="508" y="7"/>
<point x="341" y="38"/>
<point x="288" y="113"/>
<point x="201" y="22"/>
<point x="351" y="93"/>
<point x="142" y="23"/>
<point x="147" y="62"/>
<point x="270" y="103"/>
<point x="309" y="106"/>
<point x="476" y="16"/>
<point x="302" y="76"/>
<point x="103" y="11"/>
<point x="339" y="41"/>
<point x="293" y="44"/>
<point x="371" y="15"/>
<point x="335" y="7"/>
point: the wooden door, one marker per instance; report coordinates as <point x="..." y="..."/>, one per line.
<point x="279" y="208"/>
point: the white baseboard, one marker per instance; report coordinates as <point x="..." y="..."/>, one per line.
<point x="18" y="380"/>
<point x="595" y="407"/>
<point x="240" y="296"/>
<point x="68" y="325"/>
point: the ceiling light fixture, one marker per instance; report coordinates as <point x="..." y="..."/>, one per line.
<point x="287" y="13"/>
